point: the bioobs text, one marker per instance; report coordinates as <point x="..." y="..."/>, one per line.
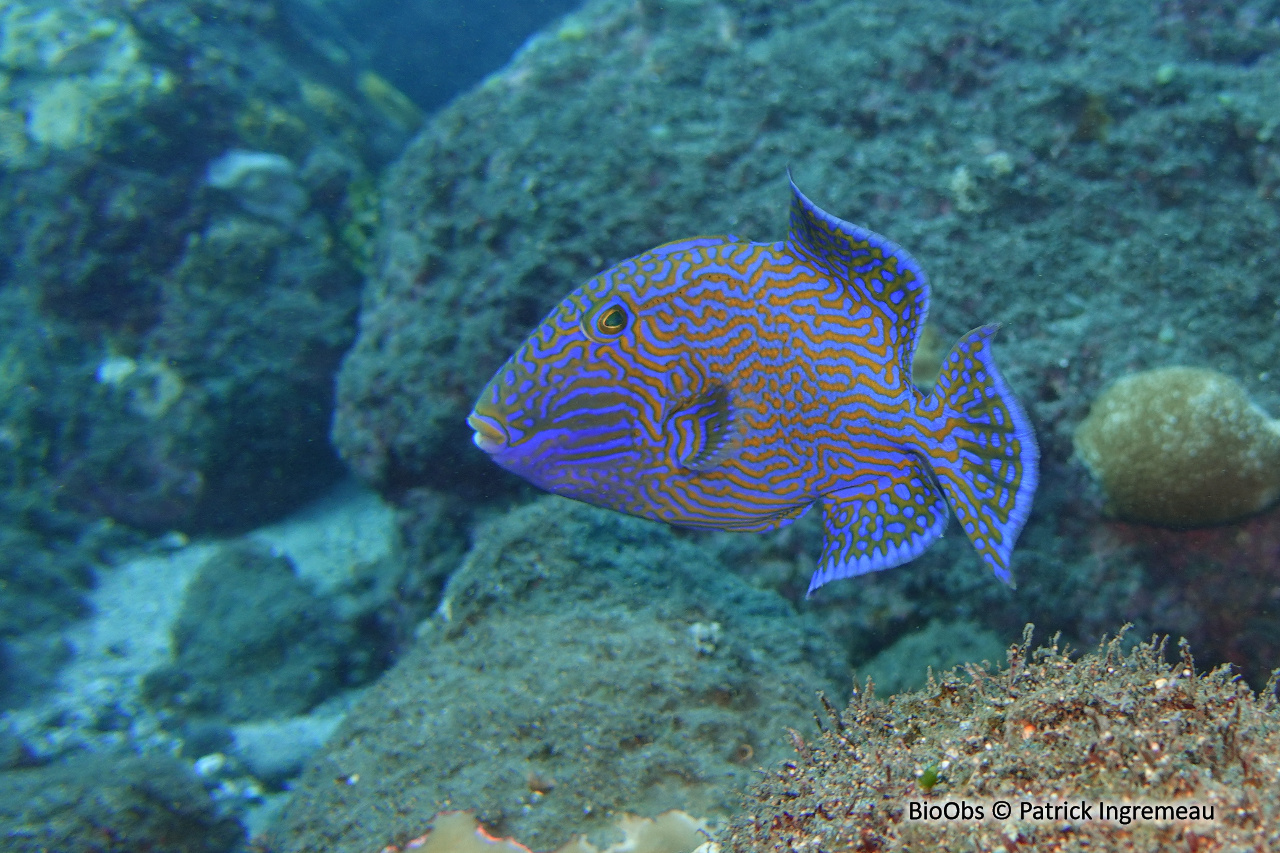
<point x="948" y="810"/>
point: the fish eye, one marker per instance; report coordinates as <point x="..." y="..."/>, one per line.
<point x="611" y="322"/>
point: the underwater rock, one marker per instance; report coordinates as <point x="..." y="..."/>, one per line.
<point x="939" y="645"/>
<point x="112" y="804"/>
<point x="561" y="685"/>
<point x="275" y="751"/>
<point x="108" y="115"/>
<point x="252" y="641"/>
<point x="82" y="75"/>
<point x="1216" y="585"/>
<point x="1110" y="726"/>
<point x="1182" y="447"/>
<point x="42" y="588"/>
<point x="15" y="753"/>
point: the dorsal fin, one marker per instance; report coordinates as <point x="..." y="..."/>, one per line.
<point x="692" y="243"/>
<point x="877" y="271"/>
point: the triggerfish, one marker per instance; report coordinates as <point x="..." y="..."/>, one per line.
<point x="716" y="383"/>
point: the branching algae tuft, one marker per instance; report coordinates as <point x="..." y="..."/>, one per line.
<point x="1110" y="751"/>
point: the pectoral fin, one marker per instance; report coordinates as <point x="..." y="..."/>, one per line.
<point x="703" y="432"/>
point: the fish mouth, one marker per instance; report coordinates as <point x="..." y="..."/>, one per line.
<point x="490" y="435"/>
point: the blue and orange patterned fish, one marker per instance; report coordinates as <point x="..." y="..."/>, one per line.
<point x="713" y="383"/>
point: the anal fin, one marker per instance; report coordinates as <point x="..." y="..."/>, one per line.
<point x="880" y="520"/>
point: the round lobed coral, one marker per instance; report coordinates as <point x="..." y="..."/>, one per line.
<point x="1109" y="728"/>
<point x="1182" y="447"/>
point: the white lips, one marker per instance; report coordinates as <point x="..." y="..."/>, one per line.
<point x="489" y="433"/>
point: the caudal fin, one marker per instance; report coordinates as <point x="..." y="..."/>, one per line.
<point x="982" y="449"/>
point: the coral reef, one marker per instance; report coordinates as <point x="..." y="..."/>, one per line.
<point x="1048" y="731"/>
<point x="583" y="664"/>
<point x="1181" y="446"/>
<point x="170" y="340"/>
<point x="189" y="197"/>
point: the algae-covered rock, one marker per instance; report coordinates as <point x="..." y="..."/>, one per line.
<point x="583" y="664"/>
<point x="1181" y="446"/>
<point x="939" y="645"/>
<point x="112" y="804"/>
<point x="83" y="74"/>
<point x="252" y="640"/>
<point x="44" y="581"/>
<point x="233" y="297"/>
<point x="1046" y="730"/>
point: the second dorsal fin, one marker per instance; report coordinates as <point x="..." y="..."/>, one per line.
<point x="877" y="271"/>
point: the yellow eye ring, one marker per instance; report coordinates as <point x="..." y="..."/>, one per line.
<point x="612" y="321"/>
<point x="606" y="322"/>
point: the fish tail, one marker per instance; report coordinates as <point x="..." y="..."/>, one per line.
<point x="982" y="449"/>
